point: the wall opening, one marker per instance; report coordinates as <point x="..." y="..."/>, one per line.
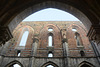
<point x="82" y="53"/>
<point x="18" y="53"/>
<point x="50" y="39"/>
<point x="24" y="38"/>
<point x="78" y="39"/>
<point x="85" y="64"/>
<point x="50" y="66"/>
<point x="50" y="54"/>
<point x="74" y="30"/>
<point x="16" y="65"/>
<point x="50" y="29"/>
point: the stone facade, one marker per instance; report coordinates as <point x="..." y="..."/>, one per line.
<point x="70" y="45"/>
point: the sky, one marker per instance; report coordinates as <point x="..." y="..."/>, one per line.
<point x="51" y="14"/>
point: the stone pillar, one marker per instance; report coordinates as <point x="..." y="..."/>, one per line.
<point x="34" y="52"/>
<point x="4" y="48"/>
<point x="66" y="53"/>
<point x="96" y="51"/>
<point x="65" y="46"/>
<point x="1" y="60"/>
<point x="94" y="37"/>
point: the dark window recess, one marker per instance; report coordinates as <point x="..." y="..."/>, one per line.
<point x="18" y="53"/>
<point x="82" y="53"/>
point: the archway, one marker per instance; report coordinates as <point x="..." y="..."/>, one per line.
<point x="10" y="18"/>
<point x="85" y="64"/>
<point x="14" y="63"/>
<point x="82" y="15"/>
<point x="51" y="4"/>
<point x="49" y="64"/>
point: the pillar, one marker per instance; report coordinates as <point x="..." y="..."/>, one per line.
<point x="65" y="46"/>
<point x="94" y="37"/>
<point x="34" y="52"/>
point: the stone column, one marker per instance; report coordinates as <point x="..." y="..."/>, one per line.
<point x="65" y="46"/>
<point x="34" y="52"/>
<point x="4" y="48"/>
<point x="94" y="37"/>
<point x="66" y="53"/>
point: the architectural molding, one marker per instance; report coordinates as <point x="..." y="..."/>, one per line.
<point x="94" y="33"/>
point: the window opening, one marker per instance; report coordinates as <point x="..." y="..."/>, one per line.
<point x="50" y="40"/>
<point x="50" y="55"/>
<point x="50" y="29"/>
<point x="16" y="65"/>
<point x="49" y="66"/>
<point x="82" y="53"/>
<point x="24" y="38"/>
<point x="78" y="39"/>
<point x="74" y="30"/>
<point x="18" y="53"/>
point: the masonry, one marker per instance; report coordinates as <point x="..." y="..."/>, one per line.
<point x="70" y="45"/>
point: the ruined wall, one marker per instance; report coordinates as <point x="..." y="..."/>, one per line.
<point x="36" y="49"/>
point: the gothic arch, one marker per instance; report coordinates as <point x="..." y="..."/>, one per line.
<point x="49" y="4"/>
<point x="85" y="64"/>
<point x="50" y="63"/>
<point x="14" y="62"/>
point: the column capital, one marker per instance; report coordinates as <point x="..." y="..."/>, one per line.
<point x="35" y="40"/>
<point x="94" y="32"/>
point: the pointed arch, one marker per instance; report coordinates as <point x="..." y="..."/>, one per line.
<point x="50" y="63"/>
<point x="14" y="62"/>
<point x="85" y="64"/>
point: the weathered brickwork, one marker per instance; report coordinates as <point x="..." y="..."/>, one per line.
<point x="40" y="30"/>
<point x="64" y="47"/>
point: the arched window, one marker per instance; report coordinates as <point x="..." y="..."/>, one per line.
<point x="74" y="29"/>
<point x="50" y="40"/>
<point x="18" y="53"/>
<point x="50" y="54"/>
<point x="24" y="38"/>
<point x="85" y="64"/>
<point x="16" y="65"/>
<point x="49" y="66"/>
<point x="82" y="53"/>
<point x="50" y="29"/>
<point x="78" y="39"/>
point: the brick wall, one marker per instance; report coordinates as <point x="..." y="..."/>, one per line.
<point x="39" y="29"/>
